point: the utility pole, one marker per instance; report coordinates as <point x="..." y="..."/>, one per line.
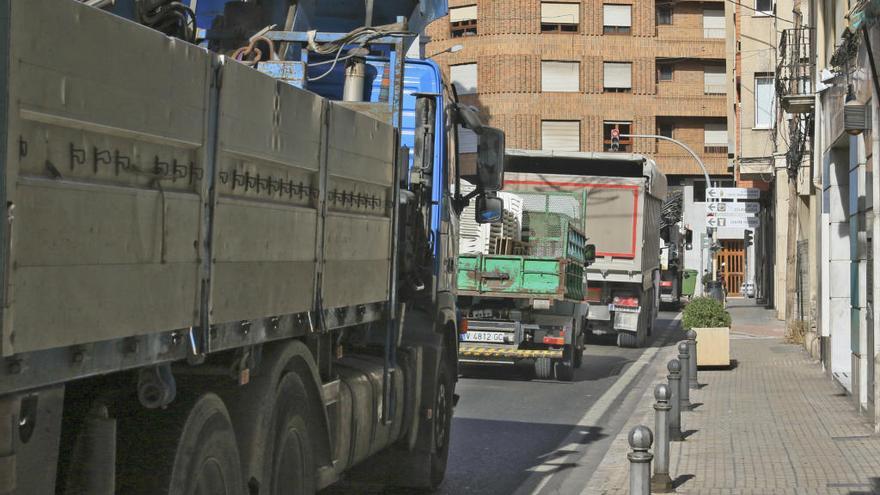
<point x="710" y="232"/>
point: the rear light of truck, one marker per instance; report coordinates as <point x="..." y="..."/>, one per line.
<point x="463" y="326"/>
<point x="666" y="283"/>
<point x="626" y="302"/>
<point x="554" y="340"/>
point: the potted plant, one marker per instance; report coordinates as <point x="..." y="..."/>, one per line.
<point x="711" y="321"/>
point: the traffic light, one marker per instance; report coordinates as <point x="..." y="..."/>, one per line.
<point x="615" y="140"/>
<point x="688" y="238"/>
<point x="748" y="238"/>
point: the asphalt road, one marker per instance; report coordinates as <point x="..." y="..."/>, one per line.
<point x="515" y="435"/>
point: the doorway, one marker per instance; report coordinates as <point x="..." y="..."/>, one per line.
<point x="732" y="255"/>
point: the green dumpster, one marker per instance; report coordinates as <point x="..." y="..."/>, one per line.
<point x="688" y="282"/>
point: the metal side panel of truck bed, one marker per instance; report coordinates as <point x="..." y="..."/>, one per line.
<point x="511" y="276"/>
<point x="146" y="187"/>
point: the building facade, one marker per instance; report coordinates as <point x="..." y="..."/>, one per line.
<point x="842" y="186"/>
<point x="562" y="74"/>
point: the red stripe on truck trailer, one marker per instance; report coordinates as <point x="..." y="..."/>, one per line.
<point x="635" y="218"/>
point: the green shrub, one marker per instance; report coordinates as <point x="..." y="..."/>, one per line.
<point x="705" y="312"/>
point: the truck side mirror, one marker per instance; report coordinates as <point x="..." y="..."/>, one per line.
<point x="589" y="254"/>
<point x="490" y="159"/>
<point x="489" y="208"/>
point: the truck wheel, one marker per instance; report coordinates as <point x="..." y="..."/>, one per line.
<point x="564" y="371"/>
<point x="578" y="357"/>
<point x="290" y="461"/>
<point x="185" y="450"/>
<point x="442" y="422"/>
<point x="544" y="368"/>
<point x="626" y="339"/>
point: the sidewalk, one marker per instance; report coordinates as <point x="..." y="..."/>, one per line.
<point x="772" y="424"/>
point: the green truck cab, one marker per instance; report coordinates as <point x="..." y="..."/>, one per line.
<point x="527" y="304"/>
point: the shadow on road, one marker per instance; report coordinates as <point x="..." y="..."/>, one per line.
<point x="490" y="456"/>
<point x="595" y="367"/>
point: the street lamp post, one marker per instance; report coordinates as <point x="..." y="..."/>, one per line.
<point x="710" y="232"/>
<point x="451" y="49"/>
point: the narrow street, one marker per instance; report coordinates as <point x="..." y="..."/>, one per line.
<point x="515" y="435"/>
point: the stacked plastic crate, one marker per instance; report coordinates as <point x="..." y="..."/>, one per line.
<point x="498" y="238"/>
<point x="505" y="234"/>
<point x="473" y="238"/>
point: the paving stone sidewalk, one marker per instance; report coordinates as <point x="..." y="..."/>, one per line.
<point x="772" y="424"/>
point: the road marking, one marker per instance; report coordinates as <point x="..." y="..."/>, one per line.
<point x="594" y="414"/>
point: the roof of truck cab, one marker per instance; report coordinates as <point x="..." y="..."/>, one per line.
<point x="605" y="164"/>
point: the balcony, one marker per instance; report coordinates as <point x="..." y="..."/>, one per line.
<point x="794" y="73"/>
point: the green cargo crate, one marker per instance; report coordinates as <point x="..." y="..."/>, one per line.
<point x="520" y="276"/>
<point x="553" y="235"/>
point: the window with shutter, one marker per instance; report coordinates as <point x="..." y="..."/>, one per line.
<point x="617" y="19"/>
<point x="463" y="21"/>
<point x="561" y="135"/>
<point x="557" y="17"/>
<point x="714" y="80"/>
<point x="464" y="77"/>
<point x="715" y="137"/>
<point x="618" y="77"/>
<point x="765" y="109"/>
<point x="560" y="76"/>
<point x="664" y="15"/>
<point x="713" y="23"/>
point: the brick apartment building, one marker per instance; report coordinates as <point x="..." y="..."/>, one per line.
<point x="561" y="74"/>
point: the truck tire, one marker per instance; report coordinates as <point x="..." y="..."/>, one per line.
<point x="442" y="421"/>
<point x="544" y="368"/>
<point x="564" y="371"/>
<point x="579" y="358"/>
<point x="626" y="339"/>
<point x="289" y="461"/>
<point x="186" y="449"/>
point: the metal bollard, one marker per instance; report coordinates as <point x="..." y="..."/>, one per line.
<point x="684" y="388"/>
<point x="661" y="482"/>
<point x="674" y="378"/>
<point x="692" y="364"/>
<point x="640" y="439"/>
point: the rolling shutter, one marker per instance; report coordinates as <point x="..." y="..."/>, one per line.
<point x="714" y="80"/>
<point x="561" y="135"/>
<point x="617" y="15"/>
<point x="618" y="75"/>
<point x="560" y="13"/>
<point x="713" y="23"/>
<point x="458" y="14"/>
<point x="715" y="134"/>
<point x="464" y="77"/>
<point x="560" y="76"/>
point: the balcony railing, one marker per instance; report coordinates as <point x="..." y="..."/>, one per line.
<point x="794" y="74"/>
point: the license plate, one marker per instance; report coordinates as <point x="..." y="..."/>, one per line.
<point x="497" y="337"/>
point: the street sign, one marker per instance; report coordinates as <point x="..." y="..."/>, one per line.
<point x="732" y="222"/>
<point x="732" y="193"/>
<point x="732" y="209"/>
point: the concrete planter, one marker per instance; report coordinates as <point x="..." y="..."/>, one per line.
<point x="713" y="346"/>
